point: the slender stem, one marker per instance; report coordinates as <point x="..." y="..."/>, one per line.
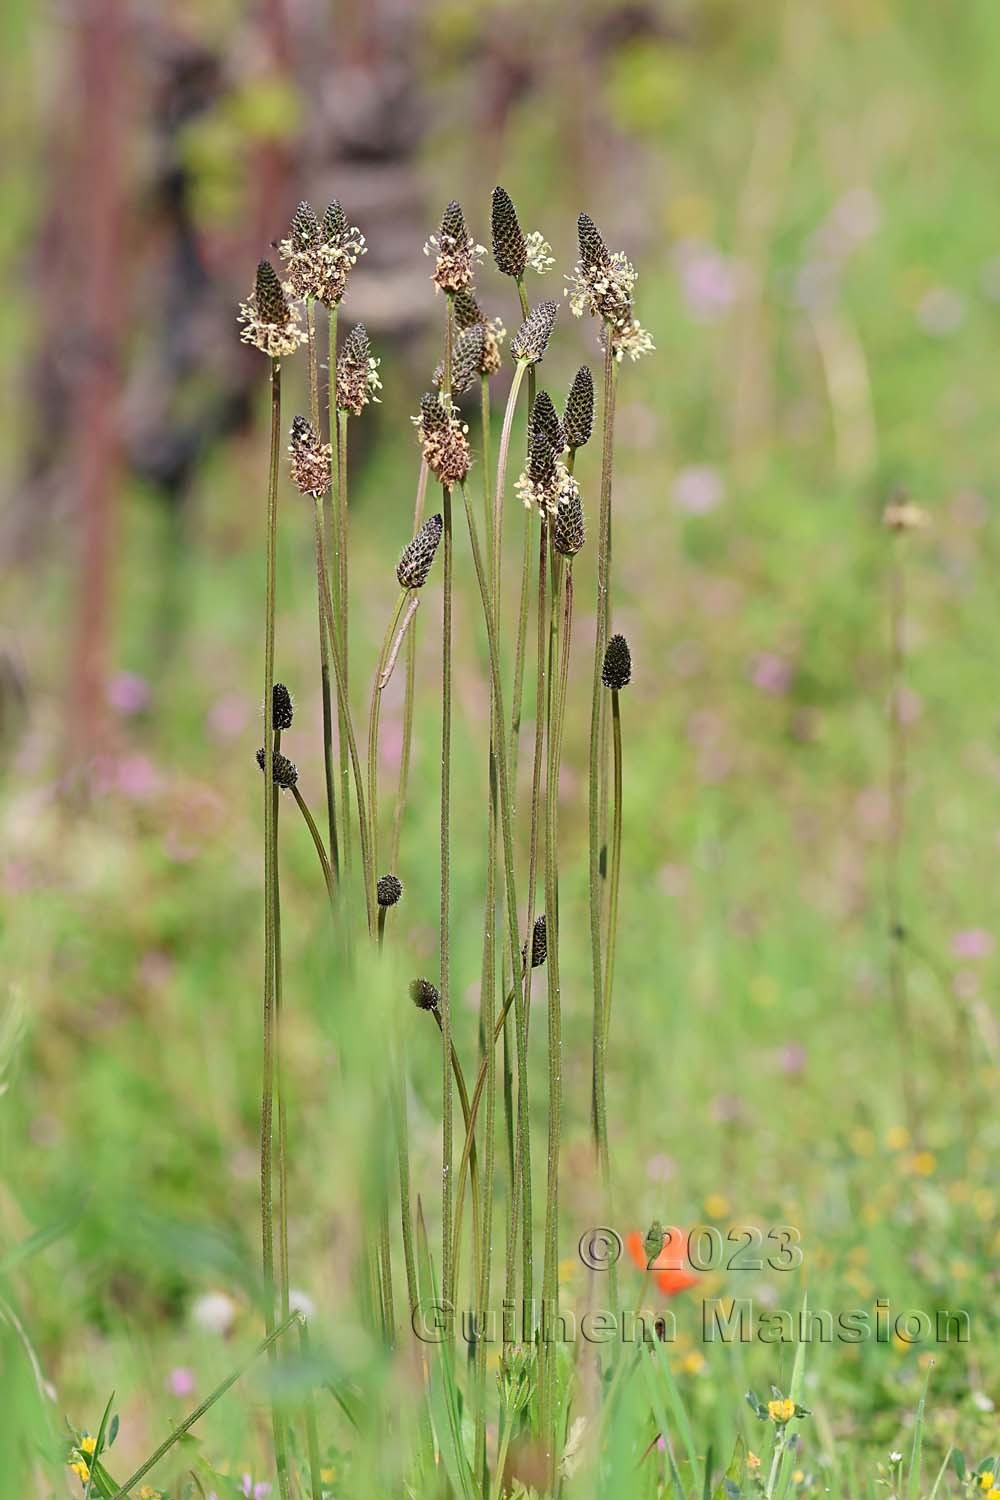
<point x="216" y="1395"/>
<point x="550" y="1274"/>
<point x="533" y="837"/>
<point x="385" y="1262"/>
<point x="309" y="1407"/>
<point x="485" y="431"/>
<point x="340" y="611"/>
<point x="522" y="613"/>
<point x="447" y="1283"/>
<point x="534" y="828"/>
<point x="316" y="837"/>
<point x="463" y="1099"/>
<point x="267" y="1098"/>
<point x="333" y="539"/>
<point x="496" y="576"/>
<point x="567" y="632"/>
<point x="313" y="365"/>
<point x="329" y="774"/>
<point x="444" y="936"/>
<point x="898" y="987"/>
<point x="616" y="864"/>
<point x="510" y="891"/>
<point x="598" y="1086"/>
<point x="324" y="655"/>
<point x="502" y="454"/>
<point x="403" y="1161"/>
<point x="411" y="665"/>
<point x="351" y="744"/>
<point x="279" y="1083"/>
<point x="373" y="725"/>
<point x="390" y="661"/>
<point x="487" y="988"/>
<point x="477" y="1094"/>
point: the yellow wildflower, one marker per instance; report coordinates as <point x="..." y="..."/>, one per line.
<point x="781" y="1411"/>
<point x="753" y="1462"/>
<point x="716" y="1206"/>
<point x="986" y="1479"/>
<point x="798" y="1476"/>
<point x="693" y="1363"/>
<point x="88" y="1444"/>
<point x="327" y="1475"/>
<point x="897" y="1138"/>
<point x="80" y="1469"/>
<point x="923" y="1163"/>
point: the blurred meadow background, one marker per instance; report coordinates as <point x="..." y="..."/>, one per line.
<point x="808" y="192"/>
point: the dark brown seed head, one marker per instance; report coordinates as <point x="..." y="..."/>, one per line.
<point x="539" y="942"/>
<point x="285" y="773"/>
<point x="545" y="418"/>
<point x="281" y="707"/>
<point x="568" y="533"/>
<point x="269" y="298"/>
<point x="531" y="339"/>
<point x="453" y="224"/>
<point x="541" y="457"/>
<point x="424" y="995"/>
<point x="467" y="359"/>
<point x="578" y="418"/>
<point x="467" y="309"/>
<point x="388" y="889"/>
<point x="334" y="223"/>
<point x="353" y="392"/>
<point x="310" y="459"/>
<point x="433" y="416"/>
<point x="616" y="672"/>
<point x="305" y="227"/>
<point x="418" y="555"/>
<point x="357" y="346"/>
<point x="509" y="250"/>
<point x="593" y="251"/>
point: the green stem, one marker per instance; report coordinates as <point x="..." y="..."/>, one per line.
<point x="616" y="864"/>
<point x="496" y="576"/>
<point x="447" y="1283"/>
<point x="373" y="726"/>
<point x="340" y="611"/>
<point x="314" y="834"/>
<point x="309" y="1407"/>
<point x="411" y="672"/>
<point x="487" y="988"/>
<point x="351" y="742"/>
<point x="270" y="918"/>
<point x="534" y="828"/>
<point x="898" y="988"/>
<point x="469" y="1146"/>
<point x="189" y="1421"/>
<point x="599" y="1111"/>
<point x="279" y="1084"/>
<point x="403" y="1161"/>
<point x="444" y="935"/>
<point x="332" y="539"/>
<point x="463" y="1099"/>
<point x="324" y="653"/>
<point x="550" y="1273"/>
<point x="510" y="891"/>
<point x="385" y="1261"/>
<point x="522" y="613"/>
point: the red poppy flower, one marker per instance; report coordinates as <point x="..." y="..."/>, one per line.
<point x="670" y="1267"/>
